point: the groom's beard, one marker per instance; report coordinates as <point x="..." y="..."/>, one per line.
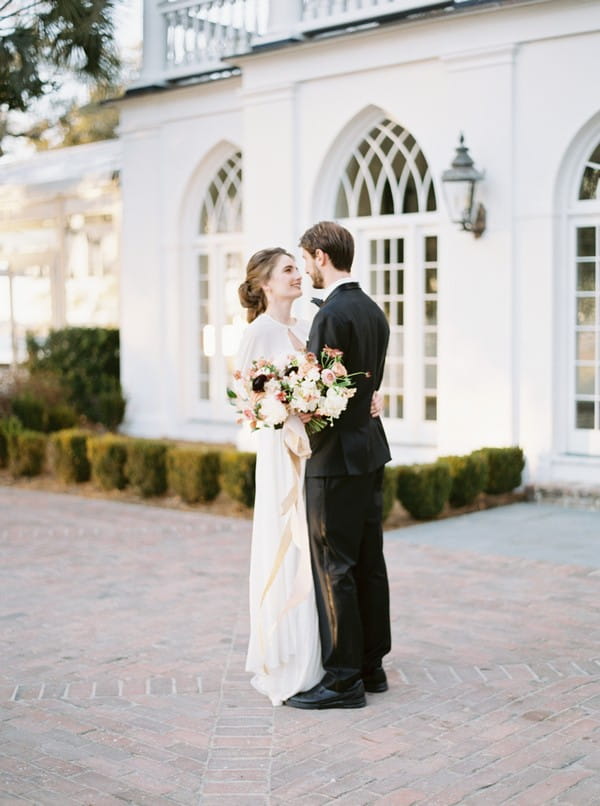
<point x="317" y="278"/>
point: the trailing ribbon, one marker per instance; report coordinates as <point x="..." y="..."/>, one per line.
<point x="295" y="528"/>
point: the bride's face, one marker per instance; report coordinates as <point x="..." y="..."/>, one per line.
<point x="285" y="281"/>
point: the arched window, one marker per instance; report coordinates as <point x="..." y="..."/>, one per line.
<point x="222" y="205"/>
<point x="589" y="187"/>
<point x="585" y="316"/>
<point x="386" y="196"/>
<point x="219" y="267"/>
<point x="387" y="174"/>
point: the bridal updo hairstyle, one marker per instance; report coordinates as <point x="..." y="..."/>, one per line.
<point x="259" y="269"/>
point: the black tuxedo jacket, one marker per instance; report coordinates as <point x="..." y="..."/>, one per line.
<point x="350" y="321"/>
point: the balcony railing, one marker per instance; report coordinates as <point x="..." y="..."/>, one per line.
<point x="187" y="37"/>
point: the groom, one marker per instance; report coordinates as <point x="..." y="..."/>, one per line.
<point x="344" y="478"/>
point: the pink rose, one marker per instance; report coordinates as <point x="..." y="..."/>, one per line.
<point x="328" y="377"/>
<point x="339" y="370"/>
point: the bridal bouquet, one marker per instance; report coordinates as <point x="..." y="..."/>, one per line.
<point x="268" y="393"/>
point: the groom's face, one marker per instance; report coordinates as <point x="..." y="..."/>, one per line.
<point x="313" y="271"/>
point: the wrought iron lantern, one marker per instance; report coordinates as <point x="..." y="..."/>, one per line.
<point x="460" y="182"/>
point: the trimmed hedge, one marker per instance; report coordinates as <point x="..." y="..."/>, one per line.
<point x="60" y="417"/>
<point x="107" y="456"/>
<point x="469" y="477"/>
<point x="423" y="489"/>
<point x="26" y="453"/>
<point x="8" y="426"/>
<point x="146" y="466"/>
<point x="68" y="454"/>
<point x="505" y="466"/>
<point x="238" y="470"/>
<point x="193" y="474"/>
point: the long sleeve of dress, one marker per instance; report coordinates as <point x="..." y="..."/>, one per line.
<point x="254" y="345"/>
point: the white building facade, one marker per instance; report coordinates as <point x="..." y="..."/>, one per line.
<point x="249" y="123"/>
<point x="60" y="222"/>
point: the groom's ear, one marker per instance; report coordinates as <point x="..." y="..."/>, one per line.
<point x="320" y="257"/>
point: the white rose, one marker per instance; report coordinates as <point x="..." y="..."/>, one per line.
<point x="272" y="411"/>
<point x="333" y="404"/>
<point x="272" y="387"/>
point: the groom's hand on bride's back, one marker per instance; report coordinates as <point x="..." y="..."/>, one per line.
<point x="377" y="404"/>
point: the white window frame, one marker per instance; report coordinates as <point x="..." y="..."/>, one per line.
<point x="413" y="429"/>
<point x="215" y="247"/>
<point x="579" y="440"/>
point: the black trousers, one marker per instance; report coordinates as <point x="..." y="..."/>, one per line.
<point x="351" y="585"/>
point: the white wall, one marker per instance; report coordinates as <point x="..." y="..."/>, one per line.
<point x="168" y="140"/>
<point x="520" y="97"/>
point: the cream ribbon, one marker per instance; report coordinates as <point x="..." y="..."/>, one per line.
<point x="295" y="528"/>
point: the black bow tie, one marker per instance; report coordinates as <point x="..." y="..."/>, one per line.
<point x="317" y="301"/>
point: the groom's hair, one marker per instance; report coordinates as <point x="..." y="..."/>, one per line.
<point x="332" y="239"/>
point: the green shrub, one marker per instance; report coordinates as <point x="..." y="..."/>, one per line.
<point x="423" y="489"/>
<point x="146" y="466"/>
<point x="238" y="470"/>
<point x="30" y="412"/>
<point x="389" y="490"/>
<point x="86" y="362"/>
<point x="469" y="477"/>
<point x="60" y="417"/>
<point x="110" y="405"/>
<point x="68" y="454"/>
<point x="108" y="456"/>
<point x="8" y="426"/>
<point x="193" y="473"/>
<point x="3" y="446"/>
<point x="26" y="453"/>
<point x="505" y="466"/>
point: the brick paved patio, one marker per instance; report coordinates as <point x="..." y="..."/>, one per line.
<point x="123" y="633"/>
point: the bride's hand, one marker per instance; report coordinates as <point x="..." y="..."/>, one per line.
<point x="305" y="418"/>
<point x="377" y="404"/>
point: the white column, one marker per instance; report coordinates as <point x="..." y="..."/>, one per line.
<point x="478" y="375"/>
<point x="270" y="196"/>
<point x="284" y="18"/>
<point x="58" y="270"/>
<point x="154" y="43"/>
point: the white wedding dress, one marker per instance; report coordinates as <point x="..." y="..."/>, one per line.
<point x="284" y="650"/>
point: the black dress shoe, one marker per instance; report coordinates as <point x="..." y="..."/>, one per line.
<point x="375" y="681"/>
<point x="320" y="697"/>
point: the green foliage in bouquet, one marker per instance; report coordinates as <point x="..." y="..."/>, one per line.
<point x="86" y="362"/>
<point x="68" y="455"/>
<point x="193" y="474"/>
<point x="389" y="490"/>
<point x="146" y="466"/>
<point x="423" y="489"/>
<point x="469" y="477"/>
<point x="108" y="456"/>
<point x="505" y="466"/>
<point x="26" y="453"/>
<point x="238" y="469"/>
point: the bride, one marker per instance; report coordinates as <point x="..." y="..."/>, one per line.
<point x="284" y="651"/>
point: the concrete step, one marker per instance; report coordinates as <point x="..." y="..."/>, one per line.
<point x="569" y="494"/>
